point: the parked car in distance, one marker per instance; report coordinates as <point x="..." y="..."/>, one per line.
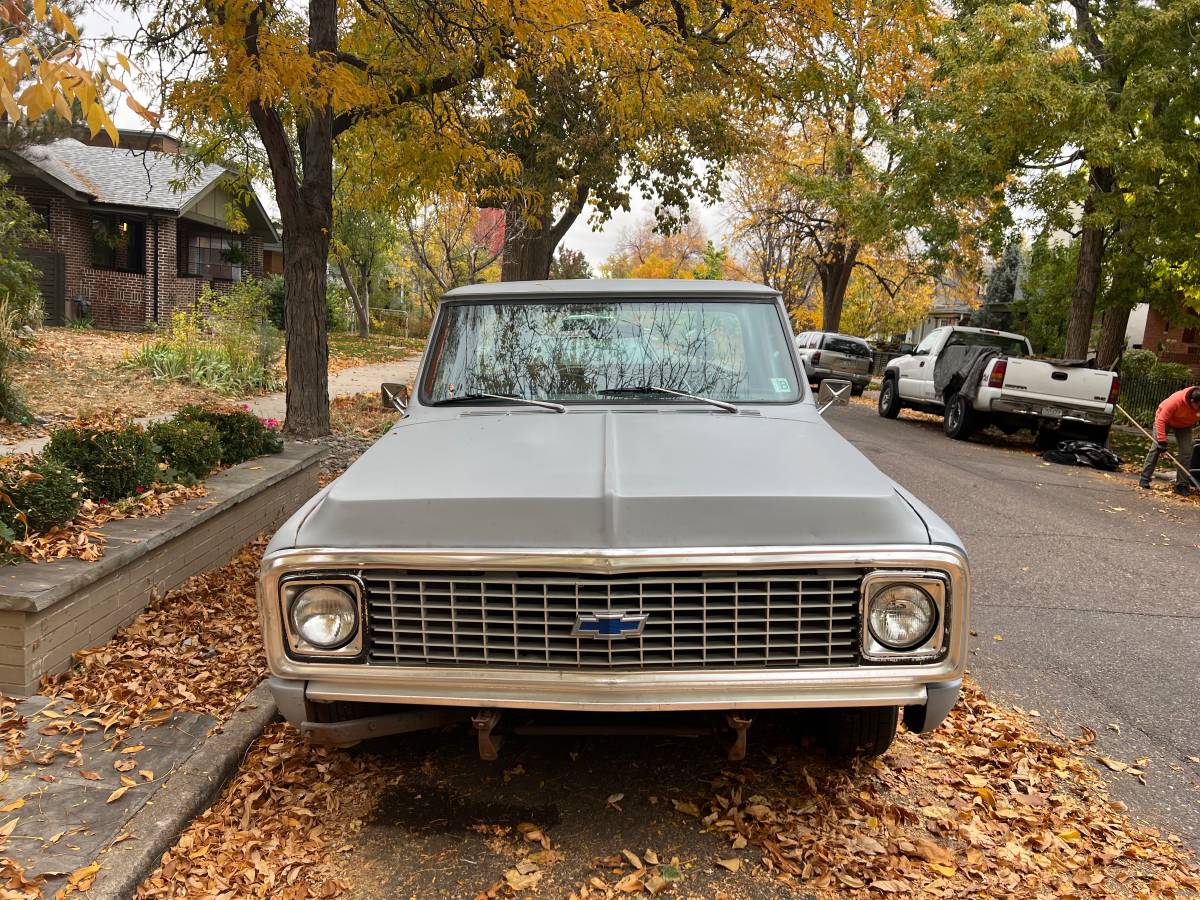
<point x="827" y="354"/>
<point x="975" y="377"/>
<point x="614" y="497"/>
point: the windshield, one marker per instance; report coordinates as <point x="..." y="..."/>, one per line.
<point x="849" y="346"/>
<point x="1006" y="345"/>
<point x="612" y="351"/>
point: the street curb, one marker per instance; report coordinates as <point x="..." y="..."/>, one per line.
<point x="186" y="793"/>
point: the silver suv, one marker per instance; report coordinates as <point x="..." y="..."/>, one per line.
<point x="827" y="354"/>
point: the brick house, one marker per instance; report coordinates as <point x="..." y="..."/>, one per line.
<point x="1173" y="342"/>
<point x="126" y="245"/>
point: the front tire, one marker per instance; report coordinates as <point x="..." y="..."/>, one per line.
<point x="889" y="399"/>
<point x="959" y="421"/>
<point x="860" y="731"/>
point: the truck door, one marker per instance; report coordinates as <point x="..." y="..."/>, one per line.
<point x="916" y="372"/>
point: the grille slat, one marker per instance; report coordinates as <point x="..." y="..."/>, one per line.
<point x="740" y="619"/>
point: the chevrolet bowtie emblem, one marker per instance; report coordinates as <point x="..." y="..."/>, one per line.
<point x="609" y="625"/>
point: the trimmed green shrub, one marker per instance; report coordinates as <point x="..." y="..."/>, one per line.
<point x="41" y="494"/>
<point x="243" y="436"/>
<point x="336" y="301"/>
<point x="190" y="447"/>
<point x="1137" y="363"/>
<point x="1170" y="371"/>
<point x="115" y="461"/>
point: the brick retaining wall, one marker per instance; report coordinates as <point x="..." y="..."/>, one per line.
<point x="50" y="610"/>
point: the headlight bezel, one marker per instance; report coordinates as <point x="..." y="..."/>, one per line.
<point x="935" y="646"/>
<point x="290" y="589"/>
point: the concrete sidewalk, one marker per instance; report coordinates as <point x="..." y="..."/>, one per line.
<point x="347" y="382"/>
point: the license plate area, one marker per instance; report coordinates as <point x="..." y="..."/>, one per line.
<point x="1052" y="412"/>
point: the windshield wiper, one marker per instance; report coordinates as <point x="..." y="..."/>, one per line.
<point x="655" y="389"/>
<point x="484" y="395"/>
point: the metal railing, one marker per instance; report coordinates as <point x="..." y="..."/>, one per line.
<point x="1140" y="396"/>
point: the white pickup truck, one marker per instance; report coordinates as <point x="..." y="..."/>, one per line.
<point x="975" y="377"/>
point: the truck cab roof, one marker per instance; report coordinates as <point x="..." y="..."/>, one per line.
<point x="550" y="290"/>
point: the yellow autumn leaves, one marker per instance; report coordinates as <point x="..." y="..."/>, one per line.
<point x="43" y="70"/>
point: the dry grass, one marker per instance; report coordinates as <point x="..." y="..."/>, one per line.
<point x="76" y="372"/>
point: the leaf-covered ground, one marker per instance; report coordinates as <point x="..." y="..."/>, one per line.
<point x="72" y="372"/>
<point x="82" y="539"/>
<point x="349" y="350"/>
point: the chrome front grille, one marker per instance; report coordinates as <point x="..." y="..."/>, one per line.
<point x="695" y="619"/>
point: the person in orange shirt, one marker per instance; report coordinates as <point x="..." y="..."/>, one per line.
<point x="1179" y="413"/>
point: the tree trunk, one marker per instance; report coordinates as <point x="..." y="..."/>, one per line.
<point x="303" y="179"/>
<point x="364" y="313"/>
<point x="305" y="253"/>
<point x="358" y="299"/>
<point x="835" y="273"/>
<point x="1112" y="336"/>
<point x="529" y="247"/>
<point x="527" y="255"/>
<point x="1087" y="272"/>
<point x="1083" y="294"/>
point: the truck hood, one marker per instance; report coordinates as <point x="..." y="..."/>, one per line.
<point x="608" y="479"/>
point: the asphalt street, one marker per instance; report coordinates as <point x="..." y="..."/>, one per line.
<point x="1086" y="599"/>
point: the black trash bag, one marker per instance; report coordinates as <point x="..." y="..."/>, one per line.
<point x="1083" y="453"/>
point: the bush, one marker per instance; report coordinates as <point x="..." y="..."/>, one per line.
<point x="12" y="401"/>
<point x="336" y="299"/>
<point x="189" y="447"/>
<point x="116" y="461"/>
<point x="1137" y="363"/>
<point x="233" y="348"/>
<point x="242" y="434"/>
<point x="274" y="290"/>
<point x="41" y="494"/>
<point x="1168" y="371"/>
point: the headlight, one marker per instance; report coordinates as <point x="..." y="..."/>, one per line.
<point x="901" y="616"/>
<point x="325" y="617"/>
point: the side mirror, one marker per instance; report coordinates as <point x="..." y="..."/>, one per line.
<point x="833" y="392"/>
<point x="394" y="396"/>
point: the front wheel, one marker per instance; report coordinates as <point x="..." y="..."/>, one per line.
<point x="889" y="399"/>
<point x="860" y="731"/>
<point x="959" y="421"/>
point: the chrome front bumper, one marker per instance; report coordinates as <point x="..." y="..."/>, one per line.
<point x="897" y="684"/>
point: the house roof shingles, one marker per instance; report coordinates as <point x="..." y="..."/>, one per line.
<point x="122" y="177"/>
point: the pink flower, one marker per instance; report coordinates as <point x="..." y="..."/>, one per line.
<point x="246" y="407"/>
<point x="102" y="502"/>
<point x="141" y="489"/>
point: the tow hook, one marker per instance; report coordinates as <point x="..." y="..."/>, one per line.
<point x="741" y="728"/>
<point x="484" y="723"/>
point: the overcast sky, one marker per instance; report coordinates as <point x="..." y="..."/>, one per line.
<point x="102" y="19"/>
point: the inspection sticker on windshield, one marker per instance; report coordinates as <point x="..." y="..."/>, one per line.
<point x="781" y="385"/>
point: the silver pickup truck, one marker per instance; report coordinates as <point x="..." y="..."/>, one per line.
<point x="613" y="496"/>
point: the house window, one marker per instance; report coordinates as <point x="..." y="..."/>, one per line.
<point x="213" y="256"/>
<point x="118" y="243"/>
<point x="1189" y="335"/>
<point x="41" y="209"/>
